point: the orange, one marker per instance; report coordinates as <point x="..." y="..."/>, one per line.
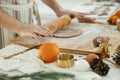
<point x="114" y="19"/>
<point x="48" y="52"/>
<point x="118" y="13"/>
<point x="111" y="17"/>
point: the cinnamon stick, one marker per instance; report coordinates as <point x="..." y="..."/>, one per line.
<point x="81" y="52"/>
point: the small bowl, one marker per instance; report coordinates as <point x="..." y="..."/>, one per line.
<point x="65" y="60"/>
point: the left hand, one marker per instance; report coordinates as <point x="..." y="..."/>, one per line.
<point x="80" y="16"/>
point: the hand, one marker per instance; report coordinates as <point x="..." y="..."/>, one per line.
<point x="73" y="14"/>
<point x="34" y="31"/>
<point x="87" y="20"/>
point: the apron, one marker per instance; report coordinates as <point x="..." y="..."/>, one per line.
<point x="26" y="11"/>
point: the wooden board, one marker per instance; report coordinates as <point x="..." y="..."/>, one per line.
<point x="28" y="41"/>
<point x="84" y="41"/>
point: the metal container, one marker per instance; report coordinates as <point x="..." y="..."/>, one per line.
<point x="118" y="24"/>
<point x="65" y="60"/>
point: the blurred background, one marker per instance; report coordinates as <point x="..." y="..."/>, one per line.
<point x="47" y="14"/>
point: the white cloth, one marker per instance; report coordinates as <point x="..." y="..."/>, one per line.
<point x="23" y="64"/>
<point x="79" y="75"/>
<point x="26" y="62"/>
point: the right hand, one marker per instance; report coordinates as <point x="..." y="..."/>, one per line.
<point x="34" y="31"/>
<point x="87" y="20"/>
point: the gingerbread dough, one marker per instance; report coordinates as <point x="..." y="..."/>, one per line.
<point x="67" y="33"/>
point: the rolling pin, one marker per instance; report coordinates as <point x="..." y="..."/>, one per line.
<point x="58" y="23"/>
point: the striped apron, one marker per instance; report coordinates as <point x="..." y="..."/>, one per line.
<point x="25" y="11"/>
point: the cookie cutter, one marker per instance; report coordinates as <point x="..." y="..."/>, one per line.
<point x="65" y="60"/>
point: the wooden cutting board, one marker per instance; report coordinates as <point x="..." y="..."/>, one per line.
<point x="28" y="41"/>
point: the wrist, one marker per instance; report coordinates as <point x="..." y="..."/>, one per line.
<point x="62" y="11"/>
<point x="19" y="28"/>
<point x="59" y="12"/>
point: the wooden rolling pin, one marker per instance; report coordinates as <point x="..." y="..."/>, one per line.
<point x="58" y="23"/>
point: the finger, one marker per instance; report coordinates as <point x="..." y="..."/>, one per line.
<point x="40" y="32"/>
<point x="30" y="34"/>
<point x="35" y="36"/>
<point x="82" y="13"/>
<point x="43" y="31"/>
<point x="80" y="16"/>
<point x="48" y="31"/>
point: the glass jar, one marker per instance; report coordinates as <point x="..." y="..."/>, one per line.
<point x="118" y="24"/>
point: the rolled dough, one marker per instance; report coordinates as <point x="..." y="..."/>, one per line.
<point x="67" y="33"/>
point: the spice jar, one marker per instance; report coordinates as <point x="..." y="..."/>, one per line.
<point x="118" y="24"/>
<point x="105" y="48"/>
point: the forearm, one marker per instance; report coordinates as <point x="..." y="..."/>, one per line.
<point x="53" y="5"/>
<point x="9" y="22"/>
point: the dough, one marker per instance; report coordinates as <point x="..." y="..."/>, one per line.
<point x="67" y="33"/>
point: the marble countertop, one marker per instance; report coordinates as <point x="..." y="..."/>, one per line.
<point x="47" y="15"/>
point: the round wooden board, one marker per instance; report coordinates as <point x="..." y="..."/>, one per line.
<point x="67" y="33"/>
